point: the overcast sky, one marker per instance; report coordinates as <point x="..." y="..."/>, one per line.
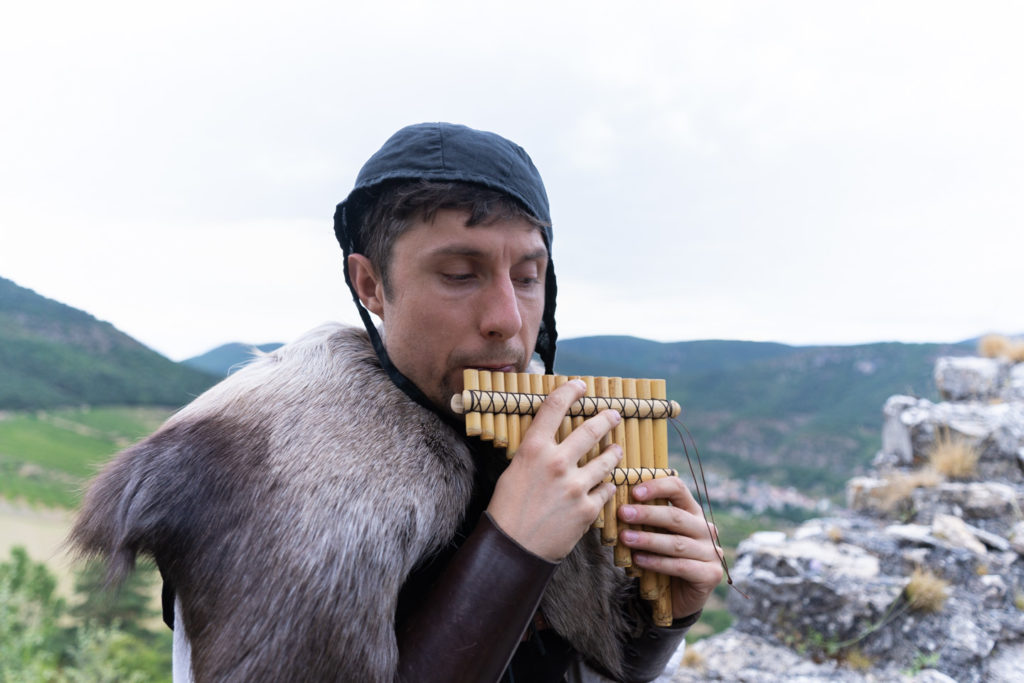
<point x="804" y="172"/>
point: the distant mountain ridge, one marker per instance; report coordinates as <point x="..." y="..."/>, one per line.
<point x="805" y="416"/>
<point x="227" y="358"/>
<point x="52" y="354"/>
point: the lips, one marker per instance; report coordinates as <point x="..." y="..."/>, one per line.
<point x="496" y="368"/>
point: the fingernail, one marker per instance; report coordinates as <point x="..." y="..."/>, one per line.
<point x="640" y="491"/>
<point x="627" y="512"/>
<point x="630" y="536"/>
<point x="579" y="383"/>
<point x="618" y="418"/>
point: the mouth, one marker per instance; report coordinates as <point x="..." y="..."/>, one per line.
<point x="497" y="367"/>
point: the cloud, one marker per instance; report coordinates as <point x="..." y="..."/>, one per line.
<point x="801" y="170"/>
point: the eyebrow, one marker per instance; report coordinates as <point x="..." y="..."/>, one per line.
<point x="470" y="252"/>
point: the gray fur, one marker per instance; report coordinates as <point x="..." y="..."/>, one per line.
<point x="288" y="504"/>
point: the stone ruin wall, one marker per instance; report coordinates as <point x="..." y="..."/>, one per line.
<point x="832" y="601"/>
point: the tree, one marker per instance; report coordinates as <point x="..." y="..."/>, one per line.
<point x="130" y="604"/>
<point x="97" y="647"/>
<point x="30" y="636"/>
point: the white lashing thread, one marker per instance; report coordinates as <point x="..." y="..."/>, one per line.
<point x="509" y="403"/>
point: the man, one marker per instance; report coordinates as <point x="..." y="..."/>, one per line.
<point x="319" y="516"/>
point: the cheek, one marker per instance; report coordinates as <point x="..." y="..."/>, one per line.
<point x="532" y="312"/>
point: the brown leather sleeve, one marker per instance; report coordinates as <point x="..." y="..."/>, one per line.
<point x="468" y="627"/>
<point x="646" y="655"/>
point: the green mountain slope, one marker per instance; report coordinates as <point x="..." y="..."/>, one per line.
<point x="803" y="416"/>
<point x="46" y="456"/>
<point x="55" y="355"/>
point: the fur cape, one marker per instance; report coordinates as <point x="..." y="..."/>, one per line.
<point x="288" y="504"/>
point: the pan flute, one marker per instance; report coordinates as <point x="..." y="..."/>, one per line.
<point x="498" y="407"/>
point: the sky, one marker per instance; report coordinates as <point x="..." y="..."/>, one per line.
<point x="802" y="172"/>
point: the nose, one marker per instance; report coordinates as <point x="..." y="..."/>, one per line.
<point x="500" y="318"/>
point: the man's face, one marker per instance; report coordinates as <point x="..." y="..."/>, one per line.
<point x="463" y="298"/>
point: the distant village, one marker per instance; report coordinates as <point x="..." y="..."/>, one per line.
<point x="757" y="496"/>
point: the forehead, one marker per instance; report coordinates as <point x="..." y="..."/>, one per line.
<point x="447" y="234"/>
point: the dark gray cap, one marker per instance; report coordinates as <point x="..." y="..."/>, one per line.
<point x="446" y="152"/>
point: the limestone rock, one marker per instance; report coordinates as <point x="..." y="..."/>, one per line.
<point x="954" y="531"/>
<point x="1013" y="390"/>
<point x="990" y="505"/>
<point x="1016" y="537"/>
<point x="828" y="602"/>
<point x="862" y="493"/>
<point x="966" y="378"/>
<point x="1006" y="664"/>
<point x="911" y="426"/>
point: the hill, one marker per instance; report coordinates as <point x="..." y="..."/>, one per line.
<point x="802" y="416"/>
<point x="226" y="358"/>
<point x="54" y="355"/>
<point x="46" y="456"/>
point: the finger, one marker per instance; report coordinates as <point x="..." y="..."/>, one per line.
<point x="554" y="408"/>
<point x="595" y="471"/>
<point x="588" y="434"/>
<point x="601" y="494"/>
<point x="671" y="489"/>
<point x="666" y="518"/>
<point x="668" y="545"/>
<point x="701" y="574"/>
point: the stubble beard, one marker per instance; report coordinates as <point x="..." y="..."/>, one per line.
<point x="451" y="383"/>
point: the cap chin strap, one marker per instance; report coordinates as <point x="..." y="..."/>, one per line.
<point x="401" y="381"/>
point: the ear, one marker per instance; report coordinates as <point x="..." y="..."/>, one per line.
<point x="367" y="283"/>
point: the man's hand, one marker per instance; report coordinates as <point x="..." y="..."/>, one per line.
<point x="680" y="546"/>
<point x="544" y="501"/>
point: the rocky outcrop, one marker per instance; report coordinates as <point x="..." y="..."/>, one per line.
<point x="921" y="579"/>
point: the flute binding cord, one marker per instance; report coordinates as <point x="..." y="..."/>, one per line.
<point x="509" y="403"/>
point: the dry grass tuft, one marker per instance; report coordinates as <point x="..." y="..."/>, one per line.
<point x="1000" y="346"/>
<point x="994" y="346"/>
<point x="926" y="591"/>
<point x="1018" y="601"/>
<point x="835" y="534"/>
<point x="693" y="659"/>
<point x="953" y="457"/>
<point x="900" y="486"/>
<point x="1017" y="351"/>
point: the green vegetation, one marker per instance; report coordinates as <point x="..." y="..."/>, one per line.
<point x="47" y="456"/>
<point x="54" y="355"/>
<point x="808" y="417"/>
<point x="921" y="662"/>
<point x="42" y="639"/>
